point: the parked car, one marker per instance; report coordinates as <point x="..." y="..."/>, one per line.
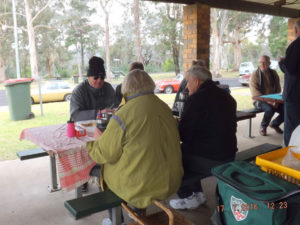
<point x="246" y="68"/>
<point x="169" y="86"/>
<point x="244" y="79"/>
<point x="53" y="91"/>
<point x="274" y="65"/>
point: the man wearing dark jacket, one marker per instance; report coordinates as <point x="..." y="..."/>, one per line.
<point x="290" y="65"/>
<point x="207" y="131"/>
<point x="92" y="95"/>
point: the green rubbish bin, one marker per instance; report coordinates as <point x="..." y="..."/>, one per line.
<point x="18" y="96"/>
<point x="76" y="79"/>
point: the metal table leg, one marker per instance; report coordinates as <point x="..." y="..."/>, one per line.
<point x="53" y="174"/>
<point x="78" y="192"/>
<point x="249" y="128"/>
<point x="116" y="215"/>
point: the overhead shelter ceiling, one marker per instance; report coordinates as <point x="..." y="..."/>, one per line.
<point x="284" y="8"/>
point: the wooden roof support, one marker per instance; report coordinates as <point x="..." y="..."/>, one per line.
<point x="275" y="10"/>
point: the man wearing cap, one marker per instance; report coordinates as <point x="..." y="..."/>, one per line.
<point x="92" y="94"/>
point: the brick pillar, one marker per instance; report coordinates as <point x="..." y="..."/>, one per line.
<point x="291" y="33"/>
<point x="196" y="34"/>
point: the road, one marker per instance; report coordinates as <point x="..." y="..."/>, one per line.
<point x="3" y="99"/>
<point x="232" y="82"/>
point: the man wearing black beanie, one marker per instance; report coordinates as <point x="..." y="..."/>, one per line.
<point x="92" y="95"/>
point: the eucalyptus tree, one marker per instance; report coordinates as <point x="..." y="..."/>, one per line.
<point x="105" y="6"/>
<point x="166" y="29"/>
<point x="278" y="36"/>
<point x="240" y="26"/>
<point x="78" y="27"/>
<point x="6" y="35"/>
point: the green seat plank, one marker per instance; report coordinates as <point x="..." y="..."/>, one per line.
<point x="251" y="153"/>
<point x="31" y="153"/>
<point x="87" y="205"/>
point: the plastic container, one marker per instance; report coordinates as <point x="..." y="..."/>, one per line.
<point x="271" y="163"/>
<point x="18" y="95"/>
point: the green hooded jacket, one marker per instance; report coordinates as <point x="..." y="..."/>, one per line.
<point x="140" y="151"/>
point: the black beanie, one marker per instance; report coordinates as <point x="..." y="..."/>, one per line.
<point x="96" y="67"/>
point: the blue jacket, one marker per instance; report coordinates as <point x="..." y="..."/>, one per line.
<point x="290" y="65"/>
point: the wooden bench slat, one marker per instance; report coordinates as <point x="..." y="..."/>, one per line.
<point x="252" y="110"/>
<point x="84" y="206"/>
<point x="31" y="153"/>
<point x="251" y="153"/>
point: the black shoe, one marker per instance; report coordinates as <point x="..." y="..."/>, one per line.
<point x="263" y="131"/>
<point x="84" y="187"/>
<point x="277" y="129"/>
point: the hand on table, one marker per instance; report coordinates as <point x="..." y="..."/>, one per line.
<point x="106" y="110"/>
<point x="97" y="133"/>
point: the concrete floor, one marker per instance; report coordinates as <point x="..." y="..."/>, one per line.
<point x="25" y="200"/>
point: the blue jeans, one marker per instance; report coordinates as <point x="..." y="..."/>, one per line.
<point x="269" y="113"/>
<point x="291" y="119"/>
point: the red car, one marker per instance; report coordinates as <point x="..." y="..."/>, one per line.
<point x="169" y="86"/>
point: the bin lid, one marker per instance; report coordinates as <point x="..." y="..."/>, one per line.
<point x="17" y="81"/>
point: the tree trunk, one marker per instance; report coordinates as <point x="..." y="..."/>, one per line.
<point x="81" y="52"/>
<point x="215" y="45"/>
<point x="108" y="72"/>
<point x="48" y="62"/>
<point x="176" y="58"/>
<point x="237" y="49"/>
<point x="31" y="39"/>
<point x="137" y="29"/>
<point x="107" y="48"/>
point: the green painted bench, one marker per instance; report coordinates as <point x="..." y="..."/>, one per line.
<point x="251" y="153"/>
<point x="31" y="153"/>
<point x="87" y="205"/>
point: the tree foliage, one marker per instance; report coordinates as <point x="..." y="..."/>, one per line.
<point x="278" y="36"/>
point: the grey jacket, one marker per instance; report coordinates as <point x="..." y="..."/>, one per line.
<point x="86" y="100"/>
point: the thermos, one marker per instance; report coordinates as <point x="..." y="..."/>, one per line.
<point x="70" y="129"/>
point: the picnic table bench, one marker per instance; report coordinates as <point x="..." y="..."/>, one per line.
<point x="247" y="114"/>
<point x="31" y="153"/>
<point x="87" y="205"/>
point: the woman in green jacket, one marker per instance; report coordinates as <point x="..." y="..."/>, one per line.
<point x="140" y="148"/>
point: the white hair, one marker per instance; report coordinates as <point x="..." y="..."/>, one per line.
<point x="136" y="82"/>
<point x="199" y="72"/>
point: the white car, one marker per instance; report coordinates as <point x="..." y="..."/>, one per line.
<point x="246" y="68"/>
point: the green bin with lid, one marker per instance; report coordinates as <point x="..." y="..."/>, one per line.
<point x="18" y="96"/>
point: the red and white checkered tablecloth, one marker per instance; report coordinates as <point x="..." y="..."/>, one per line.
<point x="73" y="161"/>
